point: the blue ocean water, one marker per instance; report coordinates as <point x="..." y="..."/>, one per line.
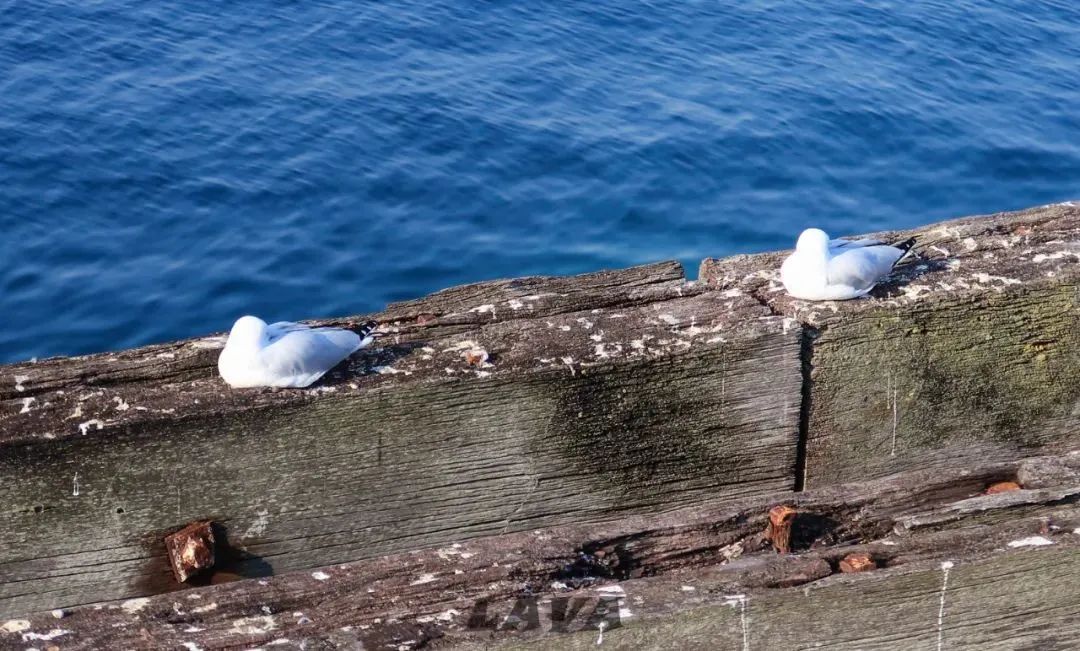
<point x="168" y="166"/>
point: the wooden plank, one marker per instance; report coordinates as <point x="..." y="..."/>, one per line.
<point x="972" y="349"/>
<point x="652" y="402"/>
<point x="672" y="578"/>
<point x="1021" y="600"/>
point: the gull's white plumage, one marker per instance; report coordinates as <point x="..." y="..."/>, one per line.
<point x="284" y="354"/>
<point x="821" y="269"/>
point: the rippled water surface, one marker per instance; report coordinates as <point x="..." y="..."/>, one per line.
<point x="166" y="167"/>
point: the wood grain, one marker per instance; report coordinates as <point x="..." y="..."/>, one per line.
<point x="975" y="346"/>
<point x="582" y="416"/>
<point x="673" y="577"/>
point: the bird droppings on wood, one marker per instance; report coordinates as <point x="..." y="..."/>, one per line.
<point x="132" y="606"/>
<point x="15" y="626"/>
<point x="340" y="425"/>
<point x="1031" y="541"/>
<point x="485" y="309"/>
<point x="667" y="551"/>
<point x="191" y="550"/>
<point x="94" y="422"/>
<point x="423" y="578"/>
<point x="254" y="625"/>
<point x="52" y="634"/>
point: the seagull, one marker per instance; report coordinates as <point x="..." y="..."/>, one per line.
<point x="285" y="354"/>
<point x="821" y="269"/>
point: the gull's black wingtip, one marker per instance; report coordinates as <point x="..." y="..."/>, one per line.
<point x="367" y="329"/>
<point x="906" y="245"/>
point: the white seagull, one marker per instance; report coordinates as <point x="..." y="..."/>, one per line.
<point x="821" y="269"/>
<point x="285" y="354"/>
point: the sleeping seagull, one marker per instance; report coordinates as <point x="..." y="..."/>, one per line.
<point x="821" y="269"/>
<point x="285" y="354"/>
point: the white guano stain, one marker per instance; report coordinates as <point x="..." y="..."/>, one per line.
<point x="95" y="423"/>
<point x="320" y="576"/>
<point x="1031" y="541"/>
<point x="445" y="616"/>
<point x="389" y="370"/>
<point x="987" y="279"/>
<point x="132" y="606"/>
<point x="485" y="309"/>
<point x="51" y="635"/>
<point x="1043" y="257"/>
<point x="15" y="626"/>
<point x="740" y="601"/>
<point x="423" y="578"/>
<point x="258" y="527"/>
<point x="453" y="550"/>
<point x="254" y="625"/>
<point x="945" y="567"/>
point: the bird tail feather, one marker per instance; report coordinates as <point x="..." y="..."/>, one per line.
<point x="367" y="329"/>
<point x="906" y="247"/>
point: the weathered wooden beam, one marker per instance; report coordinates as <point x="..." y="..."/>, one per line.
<point x="615" y="395"/>
<point x="606" y="394"/>
<point x="700" y="575"/>
<point x="1022" y="599"/>
<point x="973" y="349"/>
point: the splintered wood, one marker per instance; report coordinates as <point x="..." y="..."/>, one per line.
<point x="861" y="562"/>
<point x="1002" y="487"/>
<point x="779" y="529"/>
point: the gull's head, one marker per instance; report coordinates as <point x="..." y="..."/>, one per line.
<point x="247" y="329"/>
<point x="813" y="240"/>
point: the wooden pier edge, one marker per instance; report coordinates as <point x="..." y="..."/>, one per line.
<point x="628" y="401"/>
